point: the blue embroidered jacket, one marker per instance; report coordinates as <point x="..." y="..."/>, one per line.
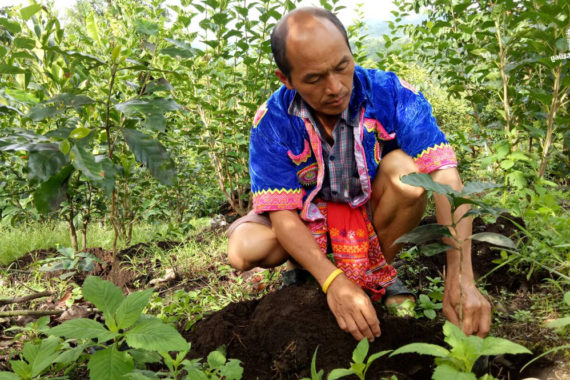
<point x="286" y="164"/>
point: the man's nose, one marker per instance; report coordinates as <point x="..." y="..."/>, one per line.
<point x="334" y="84"/>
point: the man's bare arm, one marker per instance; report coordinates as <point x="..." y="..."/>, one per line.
<point x="348" y="302"/>
<point x="476" y="309"/>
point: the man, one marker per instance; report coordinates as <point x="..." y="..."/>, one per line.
<point x="316" y="146"/>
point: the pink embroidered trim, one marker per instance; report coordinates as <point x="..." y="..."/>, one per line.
<point x="316" y="145"/>
<point x="262" y="110"/>
<point x="377" y="152"/>
<point x="308" y="175"/>
<point x="372" y="125"/>
<point x="274" y="199"/>
<point x="408" y="86"/>
<point x="436" y="157"/>
<point x="298" y="159"/>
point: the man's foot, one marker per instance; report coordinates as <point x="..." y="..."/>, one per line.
<point x="399" y="300"/>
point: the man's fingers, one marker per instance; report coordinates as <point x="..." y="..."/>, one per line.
<point x="371" y="318"/>
<point x="354" y="330"/>
<point x="363" y="327"/>
<point x="484" y="319"/>
<point x="341" y="323"/>
<point x="451" y="315"/>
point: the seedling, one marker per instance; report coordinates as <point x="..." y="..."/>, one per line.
<point x="358" y="366"/>
<point x="428" y="307"/>
<point x="458" y="362"/>
<point x="216" y="367"/>
<point x="69" y="260"/>
<point x="315" y="375"/>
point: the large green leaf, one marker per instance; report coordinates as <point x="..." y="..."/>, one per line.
<point x="146" y="27"/>
<point x="82" y="328"/>
<point x="92" y="28"/>
<point x="99" y="170"/>
<point x="103" y="294"/>
<point x="30" y="10"/>
<point x="477" y="187"/>
<point x="9" y="69"/>
<point x="433" y="249"/>
<point x="494" y="238"/>
<point x="424" y="233"/>
<point x="131" y="308"/>
<point x="446" y="372"/>
<point x="110" y="364"/>
<point x="422" y="349"/>
<point x="45" y="163"/>
<point x="40" y="356"/>
<point x="152" y="154"/>
<point x="52" y="192"/>
<point x="500" y="346"/>
<point x="12" y="26"/>
<point x="8" y="376"/>
<point x="558" y="323"/>
<point x="151" y="334"/>
<point x="41" y="112"/>
<point x="24" y="43"/>
<point x="425" y="181"/>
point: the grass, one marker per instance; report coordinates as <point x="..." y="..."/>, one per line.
<point x="31" y="236"/>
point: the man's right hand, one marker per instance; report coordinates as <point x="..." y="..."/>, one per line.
<point x="353" y="309"/>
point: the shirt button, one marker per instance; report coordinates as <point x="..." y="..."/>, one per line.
<point x="331" y="157"/>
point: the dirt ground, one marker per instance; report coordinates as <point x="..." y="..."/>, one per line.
<point x="275" y="337"/>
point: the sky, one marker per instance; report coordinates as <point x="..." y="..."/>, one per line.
<point x="373" y="9"/>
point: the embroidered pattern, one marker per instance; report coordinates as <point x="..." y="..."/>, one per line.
<point x="408" y="86"/>
<point x="308" y="175"/>
<point x="372" y="125"/>
<point x="377" y="152"/>
<point x="308" y="212"/>
<point x="298" y="159"/>
<point x="435" y="157"/>
<point x="262" y="110"/>
<point x="277" y="199"/>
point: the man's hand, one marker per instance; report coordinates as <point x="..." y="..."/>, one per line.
<point x="476" y="308"/>
<point x="353" y="309"/>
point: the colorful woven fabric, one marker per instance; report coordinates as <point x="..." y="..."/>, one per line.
<point x="355" y="246"/>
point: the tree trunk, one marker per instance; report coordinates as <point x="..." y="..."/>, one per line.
<point x="72" y="231"/>
<point x="550" y="121"/>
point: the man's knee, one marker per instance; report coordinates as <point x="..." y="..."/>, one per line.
<point x="251" y="245"/>
<point x="392" y="168"/>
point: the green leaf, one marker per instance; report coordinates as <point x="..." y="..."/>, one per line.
<point x="152" y="334"/>
<point x="146" y="27"/>
<point x="29" y="11"/>
<point x="339" y="372"/>
<point x="23" y="369"/>
<point x="82" y="328"/>
<point x="131" y="308"/>
<point x="494" y="238"/>
<point x="216" y="359"/>
<point x="45" y="163"/>
<point x="477" y="187"/>
<point x="100" y="170"/>
<point x="567" y="298"/>
<point x="360" y="351"/>
<point x="500" y="346"/>
<point x="24" y="43"/>
<point x="422" y="349"/>
<point x="92" y="28"/>
<point x="9" y="69"/>
<point x="79" y="133"/>
<point x="103" y="294"/>
<point x="152" y="154"/>
<point x="70" y="355"/>
<point x="558" y="323"/>
<point x="51" y="193"/>
<point x="446" y="372"/>
<point x="41" y="356"/>
<point x="12" y="26"/>
<point x="8" y="376"/>
<point x="376" y="356"/>
<point x="507" y="164"/>
<point x="195" y="374"/>
<point x="425" y="181"/>
<point x="147" y="106"/>
<point x="424" y="233"/>
<point x="41" y="112"/>
<point x="233" y="370"/>
<point x="110" y="364"/>
<point x="433" y="249"/>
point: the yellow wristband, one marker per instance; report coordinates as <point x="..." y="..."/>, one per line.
<point x="334" y="274"/>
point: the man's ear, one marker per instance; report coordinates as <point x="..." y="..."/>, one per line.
<point x="283" y="78"/>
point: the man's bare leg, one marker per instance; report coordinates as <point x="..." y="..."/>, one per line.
<point x="255" y="245"/>
<point x="397" y="208"/>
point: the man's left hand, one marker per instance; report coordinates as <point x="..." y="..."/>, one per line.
<point x="476" y="308"/>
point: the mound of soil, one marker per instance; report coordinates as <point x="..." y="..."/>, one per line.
<point x="275" y="337"/>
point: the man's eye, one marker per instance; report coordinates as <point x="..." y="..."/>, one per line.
<point x="313" y="80"/>
<point x="342" y="67"/>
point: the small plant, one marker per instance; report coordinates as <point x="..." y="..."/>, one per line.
<point x="216" y="367"/>
<point x="69" y="260"/>
<point x="32" y="330"/>
<point x="358" y="366"/>
<point x="315" y="375"/>
<point x="428" y="307"/>
<point x="457" y="363"/>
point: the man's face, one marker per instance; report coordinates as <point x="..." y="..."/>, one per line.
<point x="322" y="66"/>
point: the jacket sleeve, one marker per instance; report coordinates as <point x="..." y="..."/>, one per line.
<point x="417" y="131"/>
<point x="274" y="183"/>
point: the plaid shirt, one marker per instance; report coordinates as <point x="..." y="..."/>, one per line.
<point x="341" y="182"/>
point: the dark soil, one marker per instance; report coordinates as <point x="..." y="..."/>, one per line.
<point x="275" y="337"/>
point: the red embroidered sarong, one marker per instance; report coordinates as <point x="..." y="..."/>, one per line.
<point x="355" y="246"/>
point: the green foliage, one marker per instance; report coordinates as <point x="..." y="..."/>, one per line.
<point x="359" y="366"/>
<point x="428" y="307"/>
<point x="216" y="367"/>
<point x="458" y="362"/>
<point x="69" y="260"/>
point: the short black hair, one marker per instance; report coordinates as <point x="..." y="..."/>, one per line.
<point x="281" y="31"/>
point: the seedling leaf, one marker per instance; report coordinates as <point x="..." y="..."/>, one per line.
<point x="422" y="349"/>
<point x="339" y="372"/>
<point x="424" y="233"/>
<point x="82" y="328"/>
<point x="445" y="372"/>
<point x="360" y="351"/>
<point x="425" y="181"/>
<point x="8" y="376"/>
<point x="216" y="359"/>
<point x="110" y="364"/>
<point x="499" y="346"/>
<point x="494" y="238"/>
<point x="152" y="334"/>
<point x="131" y="308"/>
<point x="477" y="187"/>
<point x="433" y="249"/>
<point x="103" y="294"/>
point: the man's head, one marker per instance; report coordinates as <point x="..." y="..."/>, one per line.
<point x="313" y="56"/>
